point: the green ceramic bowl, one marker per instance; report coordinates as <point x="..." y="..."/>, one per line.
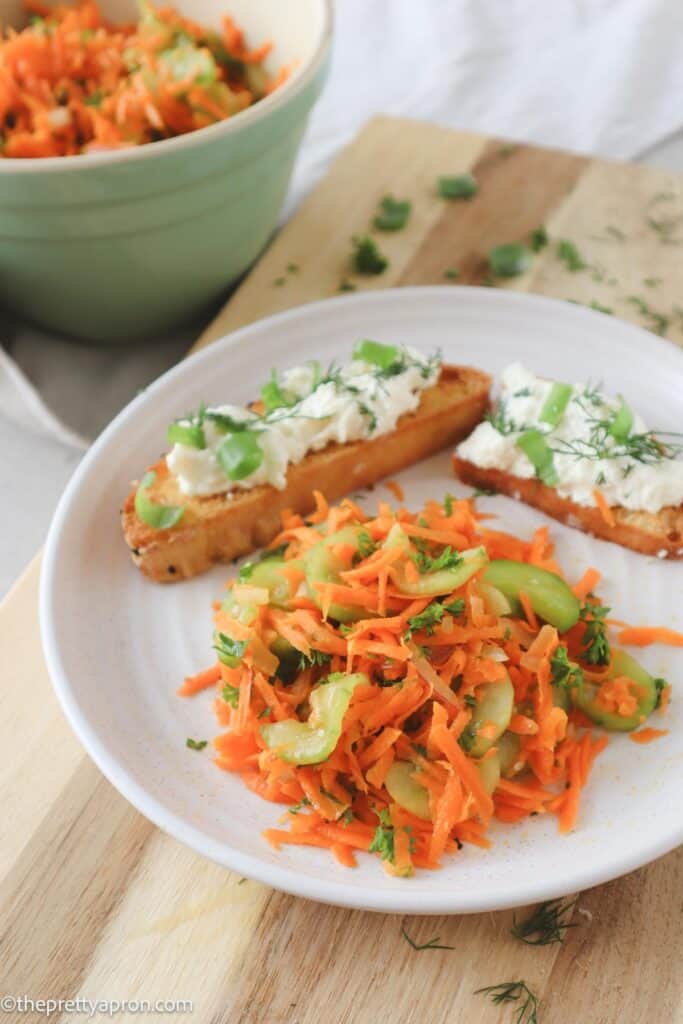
<point x="128" y="244"/>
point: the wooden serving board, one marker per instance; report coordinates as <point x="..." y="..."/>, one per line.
<point x="99" y="904"/>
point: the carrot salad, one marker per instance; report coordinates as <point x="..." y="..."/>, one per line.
<point x="71" y="82"/>
<point x="401" y="680"/>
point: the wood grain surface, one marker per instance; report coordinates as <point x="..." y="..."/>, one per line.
<point x="96" y="903"/>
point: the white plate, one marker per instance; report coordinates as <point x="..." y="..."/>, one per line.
<point x="117" y="646"/>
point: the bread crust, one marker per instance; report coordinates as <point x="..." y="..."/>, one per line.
<point x="659" y="534"/>
<point x="221" y="528"/>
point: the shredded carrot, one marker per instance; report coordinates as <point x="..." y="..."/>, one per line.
<point x="643" y="636"/>
<point x="420" y="665"/>
<point x="72" y="82"/>
<point x="647" y="735"/>
<point x="605" y="509"/>
<point x="395" y="489"/>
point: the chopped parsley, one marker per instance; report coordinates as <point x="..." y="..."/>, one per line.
<point x="434" y="943"/>
<point x="514" y="992"/>
<point x="658" y="322"/>
<point x="383" y="839"/>
<point x="231" y="695"/>
<point x="564" y="672"/>
<point x="456" y="607"/>
<point x="393" y="214"/>
<point x="596" y="649"/>
<point x="366" y="258"/>
<point x="448" y="559"/>
<point x="346" y="286"/>
<point x="546" y="925"/>
<point x="428" y="620"/>
<point x="229" y="648"/>
<point x="510" y="259"/>
<point x="458" y="186"/>
<point x="315" y="659"/>
<point x="570" y="256"/>
<point x="538" y="239"/>
<point x="295" y="808"/>
<point x="195" y="744"/>
<point x="366" y="545"/>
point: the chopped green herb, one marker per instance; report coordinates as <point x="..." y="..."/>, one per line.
<point x="510" y="260"/>
<point x="459" y="186"/>
<point x="470" y="700"/>
<point x="373" y="352"/>
<point x="346" y="286"/>
<point x="189" y="434"/>
<point x="95" y="98"/>
<point x="564" y="672"/>
<point x="599" y="308"/>
<point x="499" y="419"/>
<point x="393" y="214"/>
<point x="596" y="649"/>
<point x="652" y="282"/>
<point x="273" y="396"/>
<point x="431" y="944"/>
<point x="347" y="817"/>
<point x="229" y="651"/>
<point x="366" y="545"/>
<point x="427" y="620"/>
<point x="448" y="559"/>
<point x="195" y="744"/>
<point x="295" y="808"/>
<point x="666" y="228"/>
<point x="315" y="659"/>
<point x="538" y="239"/>
<point x="570" y="255"/>
<point x="452" y="273"/>
<point x="514" y="992"/>
<point x="622" y="422"/>
<point x="366" y="258"/>
<point x="660" y="686"/>
<point x="658" y="322"/>
<point x="265" y="712"/>
<point x="383" y="839"/>
<point x="456" y="607"/>
<point x="448" y="505"/>
<point x="484" y="492"/>
<point x="279" y="281"/>
<point x="546" y="925"/>
<point x="292" y="268"/>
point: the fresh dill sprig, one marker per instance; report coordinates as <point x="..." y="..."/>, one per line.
<point x="434" y="943"/>
<point x="513" y="992"/>
<point x="547" y="924"/>
<point x="500" y="420"/>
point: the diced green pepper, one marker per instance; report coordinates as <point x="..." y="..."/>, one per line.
<point x="555" y="404"/>
<point x="645" y="691"/>
<point x="620" y="426"/>
<point x="539" y="454"/>
<point x="159" y="517"/>
<point x="313" y="741"/>
<point x="549" y="595"/>
<point x="190" y="434"/>
<point x="407" y="791"/>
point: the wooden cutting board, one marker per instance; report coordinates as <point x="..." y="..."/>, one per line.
<point x="99" y="904"/>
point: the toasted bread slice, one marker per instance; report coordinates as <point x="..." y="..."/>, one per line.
<point x="660" y="534"/>
<point x="222" y="527"/>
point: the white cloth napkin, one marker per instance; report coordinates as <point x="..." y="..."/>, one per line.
<point x="598" y="76"/>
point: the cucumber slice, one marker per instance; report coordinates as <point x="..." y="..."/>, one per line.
<point x="549" y="595"/>
<point x="443" y="581"/>
<point x="495" y="703"/>
<point x="313" y="741"/>
<point x="322" y="566"/>
<point x="647" y="693"/>
<point x="489" y="772"/>
<point x="406" y="791"/>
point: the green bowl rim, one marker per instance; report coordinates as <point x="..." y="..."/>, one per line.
<point x="271" y="104"/>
